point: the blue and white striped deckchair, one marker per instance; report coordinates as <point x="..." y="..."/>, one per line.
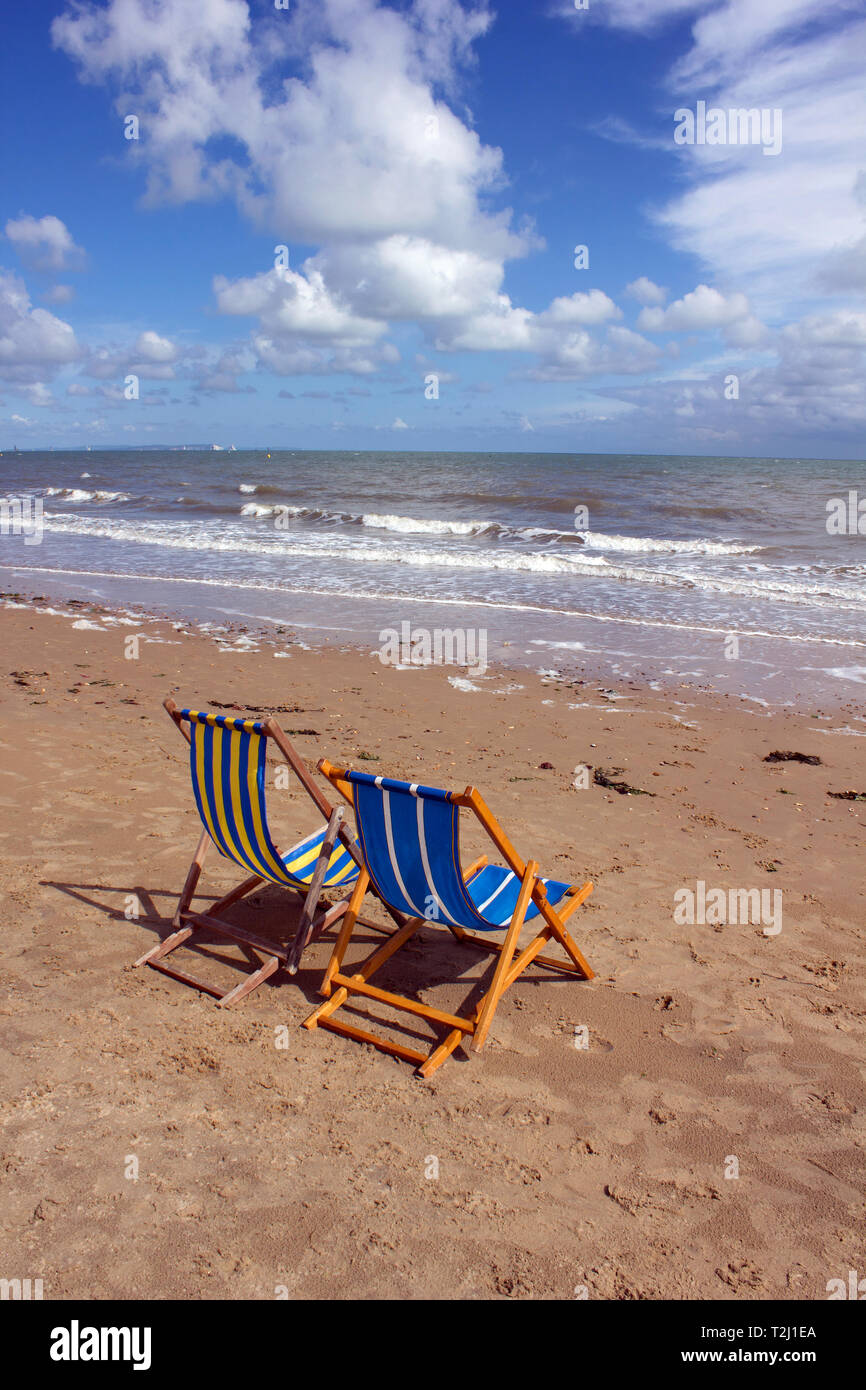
<point x="227" y="761"/>
<point x="409" y="837"/>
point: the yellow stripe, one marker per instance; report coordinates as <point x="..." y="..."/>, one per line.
<point x="255" y="858"/>
<point x="218" y="794"/>
<point x="247" y="726"/>
<point x="259" y="854"/>
<point x="308" y="856"/>
<point x="344" y="873"/>
<point x="277" y="867"/>
<point x="202" y="788"/>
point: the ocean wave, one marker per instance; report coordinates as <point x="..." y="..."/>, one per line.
<point x="233" y="538"/>
<point x="80" y="494"/>
<point x="433" y="526"/>
<point x="649" y="545"/>
<point x="310" y="545"/>
<point x="262" y="509"/>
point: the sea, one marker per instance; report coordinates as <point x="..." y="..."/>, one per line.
<point x="741" y="576"/>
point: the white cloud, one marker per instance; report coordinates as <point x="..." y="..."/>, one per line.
<point x="578" y="355"/>
<point x="33" y="342"/>
<point x="355" y="145"/>
<point x="646" y="291"/>
<point x="783" y="221"/>
<point x="408" y="277"/>
<point x="150" y="347"/>
<point x="640" y="16"/>
<point x="357" y="153"/>
<point x="790" y="228"/>
<point x="38" y="394"/>
<point x="843" y="328"/>
<point x="702" y="308"/>
<point x="587" y="309"/>
<point x="289" y="305"/>
<point x="44" y="243"/>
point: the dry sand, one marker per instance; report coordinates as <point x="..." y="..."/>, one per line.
<point x="305" y="1167"/>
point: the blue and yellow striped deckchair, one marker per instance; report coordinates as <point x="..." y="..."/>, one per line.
<point x="409" y="837"/>
<point x="227" y="760"/>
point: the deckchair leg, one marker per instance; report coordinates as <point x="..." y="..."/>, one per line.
<point x="305" y="926"/>
<point x="250" y="983"/>
<point x="346" y="928"/>
<point x="557" y="929"/>
<point x="192" y="878"/>
<point x="441" y="1053"/>
<point x="181" y="933"/>
<point x="363" y="973"/>
<point x="491" y="999"/>
<point x="177" y="938"/>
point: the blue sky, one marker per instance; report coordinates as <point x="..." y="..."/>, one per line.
<point x="431" y="168"/>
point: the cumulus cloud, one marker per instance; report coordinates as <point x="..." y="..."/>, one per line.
<point x="44" y="243"/>
<point x="810" y="380"/>
<point x="290" y="305"/>
<point x="38" y="394"/>
<point x="150" y="347"/>
<point x="336" y="126"/>
<point x="645" y="291"/>
<point x="354" y="145"/>
<point x="33" y="342"/>
<point x="705" y="309"/>
<point x="355" y="152"/>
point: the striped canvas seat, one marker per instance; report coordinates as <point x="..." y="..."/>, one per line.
<point x="227" y="759"/>
<point x="410" y="839"/>
<point x="228" y="762"/>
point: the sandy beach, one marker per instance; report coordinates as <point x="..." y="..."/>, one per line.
<point x="303" y="1170"/>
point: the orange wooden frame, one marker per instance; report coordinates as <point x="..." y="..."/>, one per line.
<point x="338" y="985"/>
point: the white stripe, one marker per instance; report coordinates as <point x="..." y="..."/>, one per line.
<point x="413" y="788"/>
<point x="495" y="894"/>
<point x="529" y="907"/>
<point x="422" y="841"/>
<point x="389" y="835"/>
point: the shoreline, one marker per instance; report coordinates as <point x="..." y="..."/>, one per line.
<point x="565" y="660"/>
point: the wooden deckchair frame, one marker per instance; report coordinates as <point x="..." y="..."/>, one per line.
<point x="338" y="986"/>
<point x="186" y="922"/>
